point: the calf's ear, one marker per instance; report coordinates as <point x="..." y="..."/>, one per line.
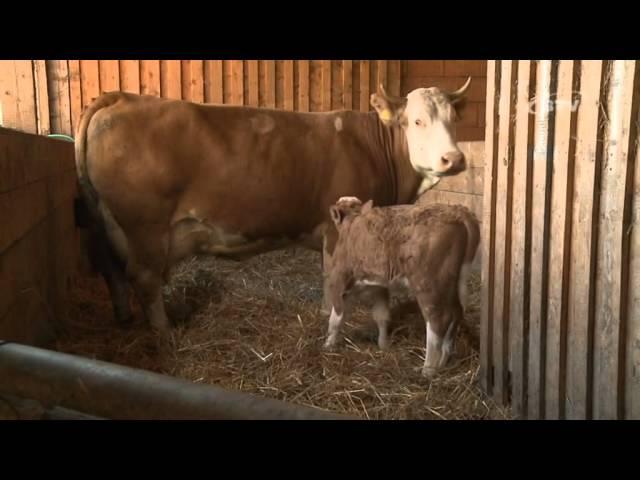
<point x="367" y="206"/>
<point x="390" y="109"/>
<point x="336" y="215"/>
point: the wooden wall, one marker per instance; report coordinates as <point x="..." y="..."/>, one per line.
<point x="48" y="96"/>
<point x="560" y="330"/>
<point x="37" y="234"/>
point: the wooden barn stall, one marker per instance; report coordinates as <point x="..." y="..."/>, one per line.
<point x="560" y="324"/>
<point x="47" y="97"/>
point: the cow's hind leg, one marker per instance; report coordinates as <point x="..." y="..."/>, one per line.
<point x="106" y="262"/>
<point x="146" y="269"/>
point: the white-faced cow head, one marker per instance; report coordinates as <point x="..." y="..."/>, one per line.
<point x="427" y="116"/>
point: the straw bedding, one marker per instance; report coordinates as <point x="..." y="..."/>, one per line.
<point x="255" y="326"/>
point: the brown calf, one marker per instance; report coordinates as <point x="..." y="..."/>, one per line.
<point x="428" y="248"/>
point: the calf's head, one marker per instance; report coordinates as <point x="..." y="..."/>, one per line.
<point x="346" y="208"/>
<point x="427" y="116"/>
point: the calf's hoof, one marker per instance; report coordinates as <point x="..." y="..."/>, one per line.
<point x="330" y="346"/>
<point x="429" y="372"/>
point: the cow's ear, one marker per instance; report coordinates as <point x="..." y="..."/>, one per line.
<point x="367" y="206"/>
<point x="390" y="109"/>
<point x="336" y="215"/>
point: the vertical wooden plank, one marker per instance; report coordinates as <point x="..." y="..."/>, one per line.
<point x="288" y="84"/>
<point x="90" y="81"/>
<point x="347" y="78"/>
<point x="632" y="381"/>
<point x="315" y="86"/>
<point x="336" y="85"/>
<point x="170" y="79"/>
<point x="303" y="72"/>
<point x="270" y="83"/>
<point x="394" y="72"/>
<point x="196" y="85"/>
<point x="279" y="84"/>
<point x="504" y="183"/>
<point x="583" y="241"/>
<point x="254" y="85"/>
<point x="17" y="96"/>
<point x="185" y="76"/>
<point x="59" y="103"/>
<point x="42" y="96"/>
<point x="237" y="82"/>
<point x="559" y="246"/>
<point x="214" y="92"/>
<point x="326" y="85"/>
<point x="130" y="72"/>
<point x="364" y="86"/>
<point x="521" y="236"/>
<point x="542" y="157"/>
<point x="109" y="75"/>
<point x="75" y="94"/>
<point x="382" y="75"/>
<point x="356" y="85"/>
<point x="150" y="77"/>
<point x="612" y="263"/>
<point x="494" y="70"/>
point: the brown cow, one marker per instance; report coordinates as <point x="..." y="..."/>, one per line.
<point x="428" y="248"/>
<point x="164" y="179"/>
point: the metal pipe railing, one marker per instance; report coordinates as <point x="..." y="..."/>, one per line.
<point x="117" y="392"/>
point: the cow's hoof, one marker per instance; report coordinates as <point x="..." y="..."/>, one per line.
<point x="180" y="313"/>
<point x="125" y="321"/>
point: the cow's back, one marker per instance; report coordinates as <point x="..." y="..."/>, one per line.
<point x="257" y="172"/>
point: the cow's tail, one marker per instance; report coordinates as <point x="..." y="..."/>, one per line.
<point x="473" y="240"/>
<point x="87" y="190"/>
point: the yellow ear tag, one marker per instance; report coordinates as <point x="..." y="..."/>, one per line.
<point x="386" y="115"/>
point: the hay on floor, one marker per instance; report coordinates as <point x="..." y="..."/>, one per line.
<point x="255" y="327"/>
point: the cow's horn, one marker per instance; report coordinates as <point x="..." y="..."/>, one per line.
<point x="389" y="98"/>
<point x="458" y="94"/>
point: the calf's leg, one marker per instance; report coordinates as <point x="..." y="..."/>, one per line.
<point x="336" y="290"/>
<point x="381" y="315"/>
<point x="441" y="321"/>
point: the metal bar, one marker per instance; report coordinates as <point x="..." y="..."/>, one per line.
<point x="16" y="408"/>
<point x="117" y="392"/>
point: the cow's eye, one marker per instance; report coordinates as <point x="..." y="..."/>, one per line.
<point x="419" y="122"/>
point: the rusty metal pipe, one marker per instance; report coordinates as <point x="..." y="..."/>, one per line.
<point x="117" y="392"/>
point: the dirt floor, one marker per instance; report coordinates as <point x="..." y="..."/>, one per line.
<point x="255" y="326"/>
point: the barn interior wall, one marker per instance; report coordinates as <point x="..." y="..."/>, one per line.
<point x="37" y="235"/>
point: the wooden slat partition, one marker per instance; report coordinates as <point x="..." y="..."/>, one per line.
<point x="571" y="248"/>
<point x="49" y="96"/>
